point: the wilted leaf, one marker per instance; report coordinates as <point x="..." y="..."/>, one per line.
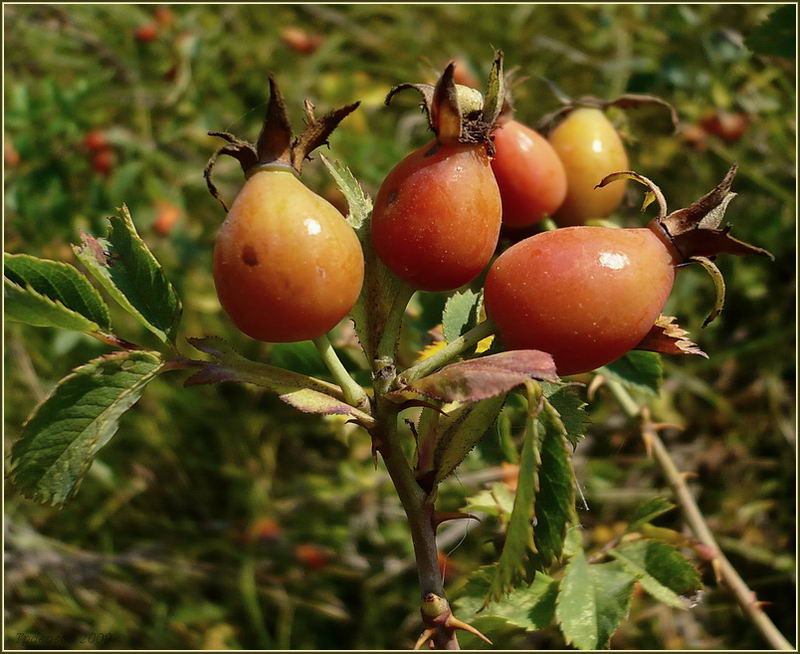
<point x="667" y="337"/>
<point x="62" y="436"/>
<point x="458" y="313"/>
<point x="638" y="370"/>
<point x="48" y="293"/>
<point x="592" y="601"/>
<point x="648" y="511"/>
<point x="457" y="441"/>
<point x="661" y="569"/>
<point x="484" y="377"/>
<point x="358" y="202"/>
<point x="304" y="393"/>
<point x="129" y="272"/>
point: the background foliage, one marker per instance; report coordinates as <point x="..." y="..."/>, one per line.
<point x="219" y="517"/>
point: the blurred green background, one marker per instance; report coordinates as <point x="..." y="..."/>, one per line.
<point x="220" y="518"/>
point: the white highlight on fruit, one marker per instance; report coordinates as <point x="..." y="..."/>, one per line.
<point x="613" y="260"/>
<point x="597" y="145"/>
<point x="312" y="226"/>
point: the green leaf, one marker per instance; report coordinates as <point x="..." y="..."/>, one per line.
<point x="128" y="271"/>
<point x="638" y="370"/>
<point x="302" y="357"/>
<point x="48" y="293"/>
<point x="358" y="202"/>
<point x="81" y="414"/>
<point x="304" y="393"/>
<point x="498" y="501"/>
<point x="648" y="511"/>
<point x="592" y="601"/>
<point x="457" y="441"/>
<point x="459" y="313"/>
<point x="555" y="499"/>
<point x="529" y="607"/>
<point x="519" y="535"/>
<point x="661" y="569"/>
<point x="570" y="407"/>
<point x="776" y="35"/>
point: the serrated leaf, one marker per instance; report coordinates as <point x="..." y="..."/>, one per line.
<point x="48" y="293"/>
<point x="661" y="569"/>
<point x="776" y="35"/>
<point x="358" y="202"/>
<point x="519" y="535"/>
<point x="304" y="393"/>
<point x="459" y="439"/>
<point x="555" y="497"/>
<point x="638" y="370"/>
<point x="79" y="416"/>
<point x="592" y="601"/>
<point x="484" y="377"/>
<point x="570" y="407"/>
<point x="459" y="313"/>
<point x="129" y="272"/>
<point x="530" y="607"/>
<point x="648" y="511"/>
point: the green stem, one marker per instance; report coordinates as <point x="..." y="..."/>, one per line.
<point x="353" y="392"/>
<point x="449" y="351"/>
<point x="744" y="596"/>
<point x="387" y="345"/>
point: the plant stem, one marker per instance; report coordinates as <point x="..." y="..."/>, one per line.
<point x="744" y="596"/>
<point x="449" y="351"/>
<point x="387" y="344"/>
<point x="353" y="392"/>
<point x="418" y="507"/>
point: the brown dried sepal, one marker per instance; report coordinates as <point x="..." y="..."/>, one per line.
<point x="694" y="231"/>
<point x="668" y="337"/>
<point x="452" y="112"/>
<point x="624" y="101"/>
<point x="276" y="142"/>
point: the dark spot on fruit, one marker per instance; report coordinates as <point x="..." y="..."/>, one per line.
<point x="391" y="197"/>
<point x="249" y="255"/>
<point x="434" y="149"/>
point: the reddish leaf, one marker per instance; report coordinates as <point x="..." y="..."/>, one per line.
<point x="668" y="337"/>
<point x="484" y="377"/>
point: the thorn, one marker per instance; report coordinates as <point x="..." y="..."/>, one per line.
<point x="717" y="566"/>
<point x="648" y="444"/>
<point x="454" y="623"/>
<point x="689" y="475"/>
<point x="443" y="516"/>
<point x="427" y="634"/>
<point x="658" y="426"/>
<point x="594" y="386"/>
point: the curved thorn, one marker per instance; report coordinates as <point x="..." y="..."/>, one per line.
<point x="453" y="622"/>
<point x="426" y="635"/>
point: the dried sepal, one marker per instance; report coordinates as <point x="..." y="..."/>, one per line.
<point x="624" y="101"/>
<point x="668" y="337"/>
<point x="694" y="230"/>
<point x="276" y="143"/>
<point x="445" y="110"/>
<point x="275" y="140"/>
<point x="495" y="91"/>
<point x="653" y="194"/>
<point x="459" y="113"/>
<point x="316" y="134"/>
<point x="719" y="287"/>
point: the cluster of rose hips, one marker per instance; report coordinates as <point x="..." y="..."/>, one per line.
<point x="287" y="266"/>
